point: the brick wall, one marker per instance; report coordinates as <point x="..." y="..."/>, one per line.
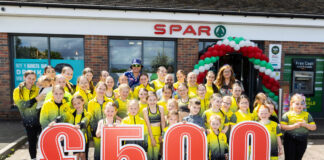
<point x="5" y="98"/>
<point x="187" y="54"/>
<point x="96" y="54"/>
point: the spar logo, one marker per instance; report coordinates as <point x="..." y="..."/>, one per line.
<point x="178" y="29"/>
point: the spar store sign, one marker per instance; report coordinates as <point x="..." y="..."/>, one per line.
<point x="188" y="30"/>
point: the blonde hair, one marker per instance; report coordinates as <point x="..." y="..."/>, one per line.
<point x="215" y="117"/>
<point x="228" y="97"/>
<point x="123" y="86"/>
<point x="172" y="100"/>
<point x="112" y="104"/>
<point x="44" y="78"/>
<point x="65" y="68"/>
<point x="56" y="87"/>
<point x="259" y="99"/>
<point x="295" y="98"/>
<point x="133" y="101"/>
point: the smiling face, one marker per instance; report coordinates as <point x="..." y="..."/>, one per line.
<point x="201" y="91"/>
<point x="83" y="83"/>
<point x="123" y="80"/>
<point x="162" y="72"/>
<point x="237" y="91"/>
<point x="215" y="124"/>
<point x="244" y="104"/>
<point x="227" y="101"/>
<point x="152" y="100"/>
<point x="194" y="108"/>
<point x="182" y="91"/>
<point x="144" y="80"/>
<point x="169" y="79"/>
<point x="101" y="89"/>
<point x="181" y="77"/>
<point x="142" y="94"/>
<point x="192" y="79"/>
<point x="133" y="108"/>
<point x="68" y="73"/>
<point x="89" y="76"/>
<point x="104" y="75"/>
<point x="58" y="94"/>
<point x="30" y="79"/>
<point x="216" y="103"/>
<point x="167" y="93"/>
<point x="172" y="106"/>
<point x="50" y="72"/>
<point x="297" y="106"/>
<point x="110" y="82"/>
<point x="173" y="119"/>
<point x="78" y="104"/>
<point x="264" y="113"/>
<point x="210" y="77"/>
<point x="123" y="92"/>
<point x="110" y="111"/>
<point x="60" y="80"/>
<point x="227" y="73"/>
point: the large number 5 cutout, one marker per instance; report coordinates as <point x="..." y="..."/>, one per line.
<point x="259" y="141"/>
<point x="174" y="142"/>
<point x="50" y="144"/>
<point x="111" y="142"/>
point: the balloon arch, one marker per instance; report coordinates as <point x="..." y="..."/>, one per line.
<point x="248" y="49"/>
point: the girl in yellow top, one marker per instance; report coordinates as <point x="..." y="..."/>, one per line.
<point x="110" y="119"/>
<point x="121" y="102"/>
<point x="155" y="122"/>
<point x="203" y="98"/>
<point x="192" y="85"/>
<point x="67" y="72"/>
<point x="122" y="80"/>
<point x="181" y="77"/>
<point x="183" y="100"/>
<point x="274" y="130"/>
<point x="216" y="102"/>
<point x="83" y="84"/>
<point x="159" y="83"/>
<point x="96" y="108"/>
<point x="236" y="93"/>
<point x="88" y="72"/>
<point x="25" y="97"/>
<point x="143" y="93"/>
<point x="166" y="95"/>
<point x="260" y="99"/>
<point x="110" y="88"/>
<point x="210" y="86"/>
<point x="226" y="104"/>
<point x="216" y="139"/>
<point x="133" y="118"/>
<point x="243" y="113"/>
<point x="296" y="123"/>
<point x="103" y="75"/>
<point x="60" y="80"/>
<point x="143" y="84"/>
<point x="56" y="109"/>
<point x="81" y="120"/>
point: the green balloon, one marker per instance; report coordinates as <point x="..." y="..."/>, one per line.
<point x="263" y="63"/>
<point x="230" y="38"/>
<point x="201" y="62"/>
<point x="252" y="60"/>
<point x="241" y="38"/>
<point x="257" y="61"/>
<point x="271" y="95"/>
<point x="266" y="90"/>
<point x="213" y="59"/>
<point x="237" y="41"/>
<point x="276" y="98"/>
<point x="268" y="66"/>
<point x="207" y="60"/>
<point x="196" y="66"/>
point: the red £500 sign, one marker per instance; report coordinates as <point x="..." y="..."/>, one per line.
<point x="242" y="135"/>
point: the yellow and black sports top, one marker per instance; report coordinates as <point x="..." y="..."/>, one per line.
<point x="122" y="107"/>
<point x="71" y="88"/>
<point x="192" y="91"/>
<point x="204" y="104"/>
<point x="86" y="95"/>
<point x="209" y="112"/>
<point x="51" y="110"/>
<point x="136" y="120"/>
<point x="234" y="107"/>
<point x="157" y="84"/>
<point x="154" y="117"/>
<point x="96" y="111"/>
<point x="26" y="102"/>
<point x="291" y="117"/>
<point x="183" y="106"/>
<point x="217" y="145"/>
<point x="239" y="116"/>
<point x="274" y="132"/>
<point x="67" y="97"/>
<point x="84" y="118"/>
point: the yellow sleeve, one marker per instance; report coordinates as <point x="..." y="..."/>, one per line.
<point x="43" y="119"/>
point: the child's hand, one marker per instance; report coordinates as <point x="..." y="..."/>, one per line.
<point x="280" y="150"/>
<point x="296" y="125"/>
<point x="153" y="142"/>
<point x="303" y="124"/>
<point x="51" y="124"/>
<point x="76" y="127"/>
<point x="41" y="97"/>
<point x="226" y="156"/>
<point x="223" y="131"/>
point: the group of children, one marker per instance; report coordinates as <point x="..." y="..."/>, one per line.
<point x="157" y="105"/>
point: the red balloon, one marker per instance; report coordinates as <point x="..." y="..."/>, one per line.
<point x="261" y="74"/>
<point x="266" y="78"/>
<point x="267" y="59"/>
<point x="276" y="92"/>
<point x="272" y="81"/>
<point x="222" y="47"/>
<point x="216" y="47"/>
<point x="209" y="49"/>
<point x="214" y="53"/>
<point x="250" y="49"/>
<point x="202" y="57"/>
<point x="208" y="53"/>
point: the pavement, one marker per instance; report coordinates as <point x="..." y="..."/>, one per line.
<point x="14" y="146"/>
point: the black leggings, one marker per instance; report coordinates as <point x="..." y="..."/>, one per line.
<point x="32" y="135"/>
<point x="295" y="147"/>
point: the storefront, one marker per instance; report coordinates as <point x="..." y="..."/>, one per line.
<point x="33" y="35"/>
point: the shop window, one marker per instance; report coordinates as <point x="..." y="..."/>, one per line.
<point x="36" y="52"/>
<point x="153" y="53"/>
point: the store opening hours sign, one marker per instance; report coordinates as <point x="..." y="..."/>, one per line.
<point x="249" y="140"/>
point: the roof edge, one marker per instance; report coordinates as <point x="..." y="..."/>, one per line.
<point x="103" y="7"/>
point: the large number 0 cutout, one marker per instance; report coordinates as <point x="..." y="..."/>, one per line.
<point x="50" y="145"/>
<point x="174" y="142"/>
<point x="111" y="142"/>
<point x="260" y="142"/>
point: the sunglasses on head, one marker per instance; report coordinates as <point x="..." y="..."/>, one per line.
<point x="136" y="65"/>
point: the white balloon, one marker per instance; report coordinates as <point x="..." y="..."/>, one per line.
<point x="211" y="65"/>
<point x="277" y="78"/>
<point x="268" y="72"/>
<point x="219" y="42"/>
<point x="236" y="47"/>
<point x="232" y="43"/>
<point x="206" y="67"/>
<point x="256" y="66"/>
<point x="262" y="69"/>
<point x="201" y="69"/>
<point x="242" y="44"/>
<point x="273" y="75"/>
<point x="196" y="71"/>
<point x="226" y="42"/>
